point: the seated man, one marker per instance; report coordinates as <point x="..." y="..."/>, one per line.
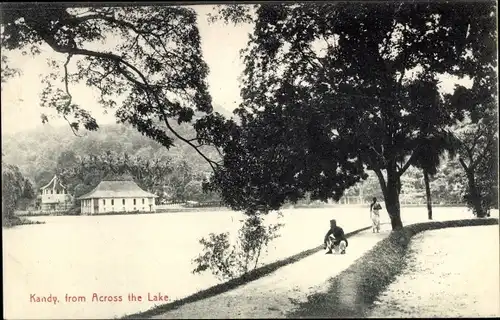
<point x="335" y="238"/>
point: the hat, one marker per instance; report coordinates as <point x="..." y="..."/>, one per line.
<point x="333" y="221"/>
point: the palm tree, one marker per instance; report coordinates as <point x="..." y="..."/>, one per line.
<point x="428" y="158"/>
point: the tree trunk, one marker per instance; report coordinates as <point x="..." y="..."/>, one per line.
<point x="428" y="194"/>
<point x="475" y="195"/>
<point x="391" y="197"/>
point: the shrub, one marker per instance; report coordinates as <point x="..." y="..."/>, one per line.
<point x="233" y="283"/>
<point x="75" y="211"/>
<point x="227" y="261"/>
<point x="13" y="221"/>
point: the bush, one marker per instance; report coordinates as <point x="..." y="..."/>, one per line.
<point x="353" y="291"/>
<point x="75" y="211"/>
<point x="10" y="222"/>
<point x="227" y="261"/>
<point x="233" y="283"/>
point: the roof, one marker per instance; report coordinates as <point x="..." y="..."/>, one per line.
<point x="117" y="189"/>
<point x="53" y="183"/>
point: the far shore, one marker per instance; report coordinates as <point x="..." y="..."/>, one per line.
<point x="217" y="208"/>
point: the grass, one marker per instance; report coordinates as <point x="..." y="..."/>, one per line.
<point x="17" y="221"/>
<point x="232" y="284"/>
<point x="351" y="294"/>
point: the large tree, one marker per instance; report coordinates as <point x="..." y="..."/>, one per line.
<point x="330" y="91"/>
<point x="477" y="132"/>
<point x="15" y="188"/>
<point x="478" y="153"/>
<point x="148" y="56"/>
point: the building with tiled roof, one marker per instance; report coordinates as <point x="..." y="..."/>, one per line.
<point x="117" y="196"/>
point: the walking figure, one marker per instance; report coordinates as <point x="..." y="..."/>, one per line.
<point x="375" y="208"/>
<point x="335" y="239"/>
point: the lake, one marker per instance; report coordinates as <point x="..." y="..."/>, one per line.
<point x="141" y="254"/>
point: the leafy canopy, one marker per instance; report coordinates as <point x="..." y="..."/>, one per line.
<point x="332" y="90"/>
<point x="148" y="56"/>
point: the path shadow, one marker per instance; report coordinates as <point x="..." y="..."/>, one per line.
<point x="351" y="293"/>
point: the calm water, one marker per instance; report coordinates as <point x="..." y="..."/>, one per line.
<point x="141" y="254"/>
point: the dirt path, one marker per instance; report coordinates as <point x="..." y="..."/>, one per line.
<point x="451" y="273"/>
<point x="276" y="295"/>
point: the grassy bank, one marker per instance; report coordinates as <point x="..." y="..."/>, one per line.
<point x="432" y="283"/>
<point x="232" y="284"/>
<point x="352" y="292"/>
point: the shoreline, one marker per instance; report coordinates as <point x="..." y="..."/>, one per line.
<point x="204" y="209"/>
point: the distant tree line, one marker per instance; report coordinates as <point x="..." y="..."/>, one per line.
<point x="170" y="180"/>
<point x="17" y="191"/>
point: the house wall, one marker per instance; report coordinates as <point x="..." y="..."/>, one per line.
<point x="86" y="206"/>
<point x="50" y="195"/>
<point x="54" y="199"/>
<point x="109" y="205"/>
<point x="55" y="206"/>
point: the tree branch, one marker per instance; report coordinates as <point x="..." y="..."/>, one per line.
<point x="144" y="84"/>
<point x="381" y="179"/>
<point x="409" y="162"/>
<point x="371" y="144"/>
<point x="476" y="139"/>
<point x="481" y="156"/>
<point x="70" y="97"/>
<point x="464" y="165"/>
<point x="218" y="150"/>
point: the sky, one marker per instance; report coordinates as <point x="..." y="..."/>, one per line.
<point x="220" y="43"/>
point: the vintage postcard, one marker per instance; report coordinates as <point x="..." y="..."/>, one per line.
<point x="250" y="160"/>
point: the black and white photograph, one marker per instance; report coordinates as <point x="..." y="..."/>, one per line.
<point x="253" y="159"/>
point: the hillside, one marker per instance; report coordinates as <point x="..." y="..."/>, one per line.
<point x="37" y="151"/>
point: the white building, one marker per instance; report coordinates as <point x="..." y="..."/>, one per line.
<point x="117" y="196"/>
<point x="53" y="196"/>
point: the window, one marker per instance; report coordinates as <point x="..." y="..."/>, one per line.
<point x="134" y="201"/>
<point x="104" y="202"/>
<point x="142" y="201"/>
<point x="112" y="202"/>
<point x="123" y="201"/>
<point x="57" y="191"/>
<point x="51" y="191"/>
